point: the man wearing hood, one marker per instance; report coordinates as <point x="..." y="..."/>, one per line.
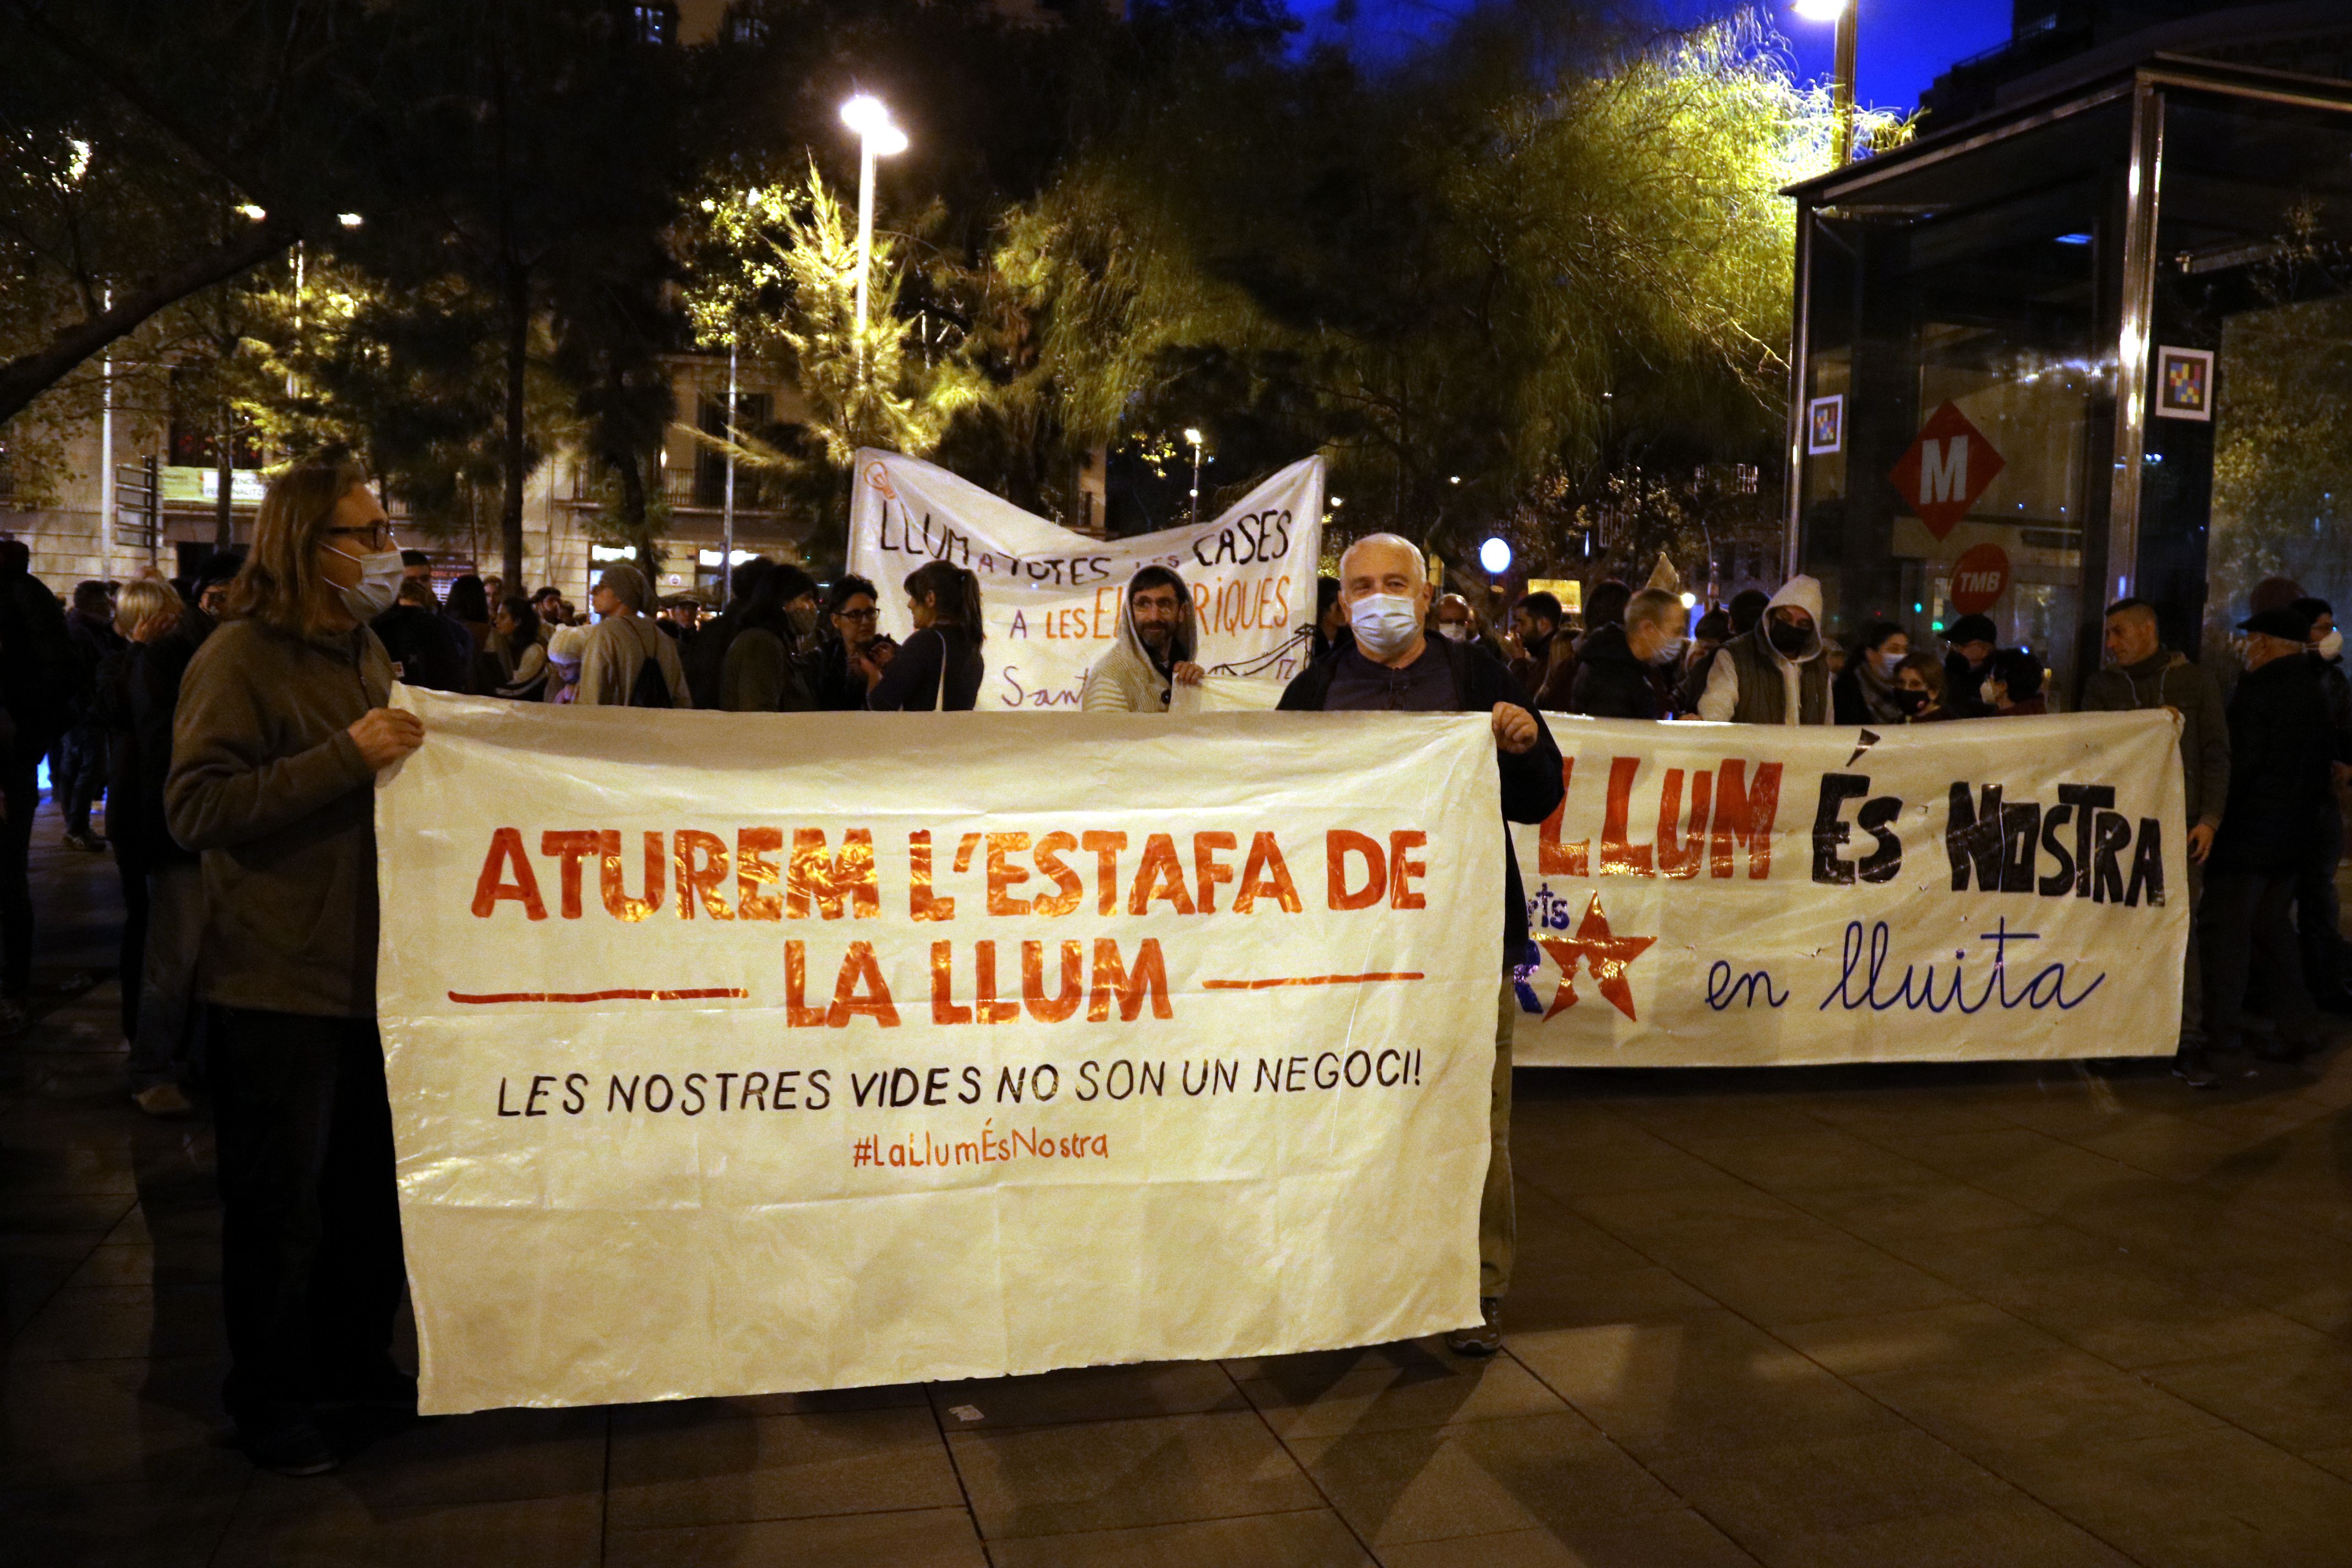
<point x="1153" y="653"/>
<point x="1392" y="665"/>
<point x="1773" y="674"/>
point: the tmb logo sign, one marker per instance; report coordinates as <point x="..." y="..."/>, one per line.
<point x="1980" y="577"/>
<point x="1945" y="469"/>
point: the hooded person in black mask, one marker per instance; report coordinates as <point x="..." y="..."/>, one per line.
<point x="1774" y="674"/>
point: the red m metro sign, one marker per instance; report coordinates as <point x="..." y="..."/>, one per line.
<point x="1945" y="469"/>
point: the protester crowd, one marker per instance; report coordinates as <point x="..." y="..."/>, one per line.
<point x="231" y="723"/>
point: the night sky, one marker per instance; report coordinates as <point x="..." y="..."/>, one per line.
<point x="1902" y="44"/>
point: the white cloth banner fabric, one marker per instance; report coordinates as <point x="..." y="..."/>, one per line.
<point x="1721" y="895"/>
<point x="737" y="1053"/>
<point x="1051" y="598"/>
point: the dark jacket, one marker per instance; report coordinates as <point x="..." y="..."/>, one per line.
<point x="2336" y="688"/>
<point x="39" y="674"/>
<point x="2168" y="679"/>
<point x="1691" y="685"/>
<point x="266" y="782"/>
<point x="2281" y="743"/>
<point x="836" y="687"/>
<point x="137" y="704"/>
<point x="96" y="645"/>
<point x="1964" y="687"/>
<point x="911" y="683"/>
<point x="430" y="649"/>
<point x="763" y="674"/>
<point x="1532" y="781"/>
<point x="1610" y="683"/>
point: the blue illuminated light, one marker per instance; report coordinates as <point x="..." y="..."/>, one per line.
<point x="2073" y="239"/>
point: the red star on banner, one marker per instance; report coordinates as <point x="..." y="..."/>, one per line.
<point x="1604" y="952"/>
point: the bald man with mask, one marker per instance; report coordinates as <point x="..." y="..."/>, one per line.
<point x="1391" y="666"/>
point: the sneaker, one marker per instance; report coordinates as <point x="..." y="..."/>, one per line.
<point x="295" y="1448"/>
<point x="163" y="1099"/>
<point x="89" y="843"/>
<point x="1480" y="1339"/>
<point x="2190" y="1068"/>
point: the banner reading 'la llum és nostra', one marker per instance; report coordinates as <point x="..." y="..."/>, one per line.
<point x="1723" y="895"/>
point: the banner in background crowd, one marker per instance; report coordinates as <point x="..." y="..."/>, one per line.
<point x="1051" y="598"/>
<point x="1718" y="895"/>
<point x="726" y="1056"/>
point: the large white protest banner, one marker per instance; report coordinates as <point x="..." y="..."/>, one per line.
<point x="1724" y="895"/>
<point x="1051" y="598"/>
<point x="728" y="1053"/>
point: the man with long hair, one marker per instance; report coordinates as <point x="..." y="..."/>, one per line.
<point x="1152" y="654"/>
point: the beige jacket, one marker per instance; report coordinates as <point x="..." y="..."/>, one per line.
<point x="268" y="783"/>
<point x="618" y="647"/>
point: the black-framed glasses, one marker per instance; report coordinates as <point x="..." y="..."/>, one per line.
<point x="860" y="615"/>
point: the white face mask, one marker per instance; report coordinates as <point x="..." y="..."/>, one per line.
<point x="1992" y="691"/>
<point x="379" y="585"/>
<point x="1384" y="623"/>
<point x="2331" y="644"/>
<point x="1887" y="661"/>
<point x="1454" y="631"/>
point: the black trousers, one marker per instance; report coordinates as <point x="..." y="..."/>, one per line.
<point x="132" y="958"/>
<point x="83" y="779"/>
<point x="2248" y="941"/>
<point x="2317" y="916"/>
<point x="311" y="1260"/>
<point x="20" y="786"/>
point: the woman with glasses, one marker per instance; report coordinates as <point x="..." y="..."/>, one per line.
<point x="850" y="632"/>
<point x="280" y="731"/>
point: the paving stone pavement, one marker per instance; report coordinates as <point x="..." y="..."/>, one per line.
<point x="2043" y="1315"/>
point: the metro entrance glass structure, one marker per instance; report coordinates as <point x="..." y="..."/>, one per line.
<point x="2095" y="346"/>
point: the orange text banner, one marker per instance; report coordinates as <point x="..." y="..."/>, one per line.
<point x="735" y="1053"/>
<point x="1720" y="895"/>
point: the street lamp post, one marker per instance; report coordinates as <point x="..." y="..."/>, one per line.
<point x="1841" y="12"/>
<point x="876" y="138"/>
<point x="726" y="510"/>
<point x="1194" y="436"/>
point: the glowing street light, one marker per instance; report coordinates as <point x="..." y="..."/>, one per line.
<point x="1494" y="555"/>
<point x="876" y="138"/>
<point x="1841" y="13"/>
<point x="1193" y="435"/>
<point x="253" y="210"/>
<point x="349" y="220"/>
